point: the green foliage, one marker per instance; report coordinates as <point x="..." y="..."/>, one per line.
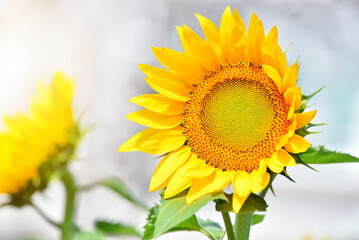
<point x="190" y="224"/>
<point x="213" y="228"/>
<point x="97" y="235"/>
<point x="298" y="159"/>
<point x="254" y="203"/>
<point x="151" y="221"/>
<point x="321" y="155"/>
<point x="117" y="229"/>
<point x="257" y="218"/>
<point x="175" y="215"/>
<point x="119" y="187"/>
<point x="175" y="210"/>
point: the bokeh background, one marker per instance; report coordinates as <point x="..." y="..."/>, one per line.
<point x="100" y="43"/>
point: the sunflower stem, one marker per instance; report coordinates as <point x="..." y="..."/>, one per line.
<point x="46" y="217"/>
<point x="70" y="187"/>
<point x="243" y="225"/>
<point x="228" y="224"/>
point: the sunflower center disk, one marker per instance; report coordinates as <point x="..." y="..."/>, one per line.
<point x="235" y="118"/>
<point x="237" y="113"/>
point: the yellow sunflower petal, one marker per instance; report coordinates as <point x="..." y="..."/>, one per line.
<point x="291" y="130"/>
<point x="133" y="143"/>
<point x="211" y="33"/>
<point x="168" y="165"/>
<point x="270" y="44"/>
<point x="258" y="182"/>
<point x="199" y="188"/>
<point x="292" y="108"/>
<point x="159" y="73"/>
<point x="222" y="180"/>
<point x="290" y="77"/>
<point x="259" y="178"/>
<point x="238" y="201"/>
<point x="179" y="181"/>
<point x="255" y="38"/>
<point x="163" y="141"/>
<point x="169" y="89"/>
<point x="183" y="41"/>
<point x="160" y="104"/>
<point x="282" y="64"/>
<point x="180" y="63"/>
<point x="274" y="165"/>
<point x="232" y="37"/>
<point x="201" y="50"/>
<point x="200" y="171"/>
<point x="305" y="118"/>
<point x="242" y="183"/>
<point x="155" y="120"/>
<point x="166" y="83"/>
<point x="289" y="97"/>
<point x="297" y="144"/>
<point x="273" y="74"/>
<point x="284" y="158"/>
<point x="272" y="53"/>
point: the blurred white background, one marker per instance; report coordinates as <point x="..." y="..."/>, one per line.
<point x="100" y="43"/>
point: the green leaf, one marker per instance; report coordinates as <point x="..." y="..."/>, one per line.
<point x="320" y="155"/>
<point x="298" y="159"/>
<point x="117" y="229"/>
<point x="90" y="236"/>
<point x="175" y="210"/>
<point x="119" y="187"/>
<point x="254" y="203"/>
<point x="190" y="224"/>
<point x="151" y="220"/>
<point x="212" y="228"/>
<point x="257" y="218"/>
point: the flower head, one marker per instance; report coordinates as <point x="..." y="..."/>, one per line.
<point x="227" y="110"/>
<point x="33" y="146"/>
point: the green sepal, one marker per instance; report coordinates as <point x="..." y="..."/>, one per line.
<point x="298" y="159"/>
<point x="305" y="99"/>
<point x="321" y="155"/>
<point x="116" y="229"/>
<point x="304" y="132"/>
<point x="285" y="174"/>
<point x="309" y="125"/>
<point x="253" y="203"/>
<point x="271" y="179"/>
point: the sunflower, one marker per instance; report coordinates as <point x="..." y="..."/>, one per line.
<point x="33" y="146"/>
<point x="227" y="111"/>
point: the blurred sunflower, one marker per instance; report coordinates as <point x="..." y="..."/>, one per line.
<point x="227" y="110"/>
<point x="32" y="147"/>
